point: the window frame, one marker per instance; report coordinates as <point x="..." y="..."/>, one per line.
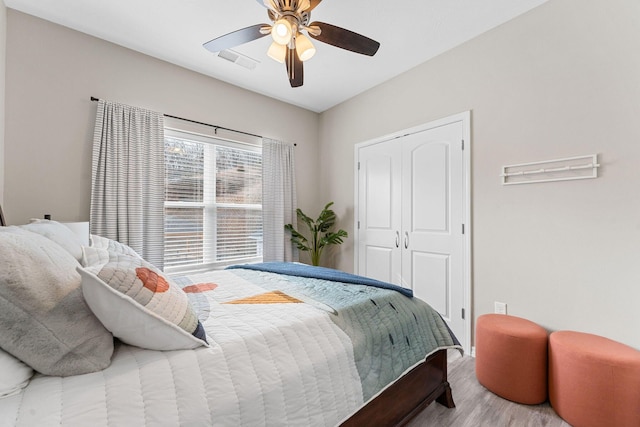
<point x="209" y="203"/>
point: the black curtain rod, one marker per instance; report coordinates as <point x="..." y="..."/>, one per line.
<point x="216" y="127"/>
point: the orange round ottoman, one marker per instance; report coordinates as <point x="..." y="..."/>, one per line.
<point x="594" y="381"/>
<point x="511" y="358"/>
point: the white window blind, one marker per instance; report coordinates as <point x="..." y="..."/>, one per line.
<point x="213" y="202"/>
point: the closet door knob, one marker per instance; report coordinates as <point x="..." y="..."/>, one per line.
<point x="397" y="239"/>
<point x="406" y="240"/>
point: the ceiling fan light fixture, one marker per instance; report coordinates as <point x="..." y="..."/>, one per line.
<point x="291" y="32"/>
<point x="304" y="47"/>
<point x="282" y="31"/>
<point x="277" y="52"/>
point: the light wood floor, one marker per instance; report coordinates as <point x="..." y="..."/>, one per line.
<point x="478" y="407"/>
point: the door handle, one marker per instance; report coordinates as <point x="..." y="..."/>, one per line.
<point x="406" y="239"/>
<point x="397" y="239"/>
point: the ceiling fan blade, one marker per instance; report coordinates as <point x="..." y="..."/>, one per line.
<point x="314" y="3"/>
<point x="235" y="38"/>
<point x="345" y="39"/>
<point x="294" y="68"/>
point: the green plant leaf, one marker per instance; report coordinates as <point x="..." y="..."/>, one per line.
<point x="298" y="239"/>
<point x="316" y="243"/>
<point x="334" y="238"/>
<point x="305" y="218"/>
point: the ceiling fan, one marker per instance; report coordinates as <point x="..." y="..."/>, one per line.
<point x="290" y="20"/>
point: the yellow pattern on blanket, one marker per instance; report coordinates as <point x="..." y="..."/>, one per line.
<point x="275" y="297"/>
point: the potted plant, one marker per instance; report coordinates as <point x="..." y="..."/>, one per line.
<point x="320" y="233"/>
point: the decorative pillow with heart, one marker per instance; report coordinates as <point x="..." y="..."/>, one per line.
<point x="111" y="245"/>
<point x="138" y="303"/>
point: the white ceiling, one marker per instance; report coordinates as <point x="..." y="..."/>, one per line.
<point x="410" y="33"/>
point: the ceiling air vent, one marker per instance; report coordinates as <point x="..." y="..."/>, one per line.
<point x="238" y="58"/>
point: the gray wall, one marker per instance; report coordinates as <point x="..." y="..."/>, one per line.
<point x="560" y="81"/>
<point x="3" y="52"/>
<point x="51" y="74"/>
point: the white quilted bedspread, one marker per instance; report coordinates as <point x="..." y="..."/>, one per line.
<point x="269" y="364"/>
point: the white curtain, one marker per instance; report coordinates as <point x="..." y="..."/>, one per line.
<point x="278" y="200"/>
<point x="127" y="188"/>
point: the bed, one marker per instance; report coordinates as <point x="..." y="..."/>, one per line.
<point x="268" y="344"/>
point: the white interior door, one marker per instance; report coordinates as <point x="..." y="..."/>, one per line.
<point x="379" y="196"/>
<point x="412" y="215"/>
<point x="432" y="220"/>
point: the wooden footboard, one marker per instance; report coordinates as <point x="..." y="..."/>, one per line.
<point x="409" y="395"/>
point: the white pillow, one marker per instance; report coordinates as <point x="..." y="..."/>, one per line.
<point x="14" y="375"/>
<point x="138" y="304"/>
<point x="59" y="233"/>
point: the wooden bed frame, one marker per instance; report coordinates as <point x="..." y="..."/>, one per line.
<point x="409" y="395"/>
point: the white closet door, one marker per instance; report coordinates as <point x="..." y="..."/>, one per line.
<point x="432" y="218"/>
<point x="379" y="201"/>
<point x="413" y="204"/>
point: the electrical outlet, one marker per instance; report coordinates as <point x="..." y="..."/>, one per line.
<point x="500" y="307"/>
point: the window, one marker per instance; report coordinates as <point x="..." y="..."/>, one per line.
<point x="213" y="202"/>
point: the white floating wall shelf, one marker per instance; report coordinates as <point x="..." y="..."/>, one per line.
<point x="570" y="168"/>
